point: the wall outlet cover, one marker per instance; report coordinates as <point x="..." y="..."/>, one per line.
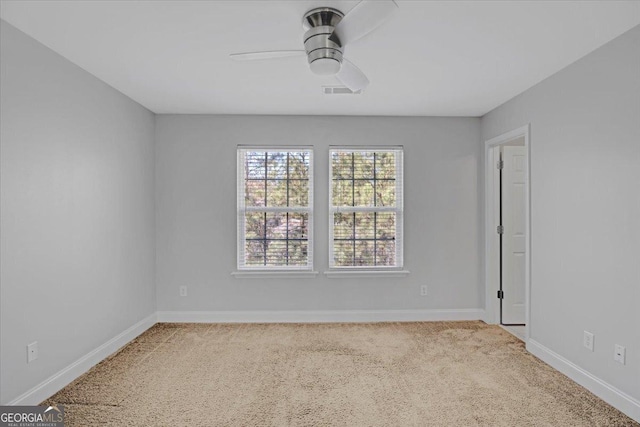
<point x="32" y="351"/>
<point x="588" y="340"/>
<point x="619" y="354"/>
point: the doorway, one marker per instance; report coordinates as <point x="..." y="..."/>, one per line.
<point x="507" y="236"/>
<point x="512" y="232"/>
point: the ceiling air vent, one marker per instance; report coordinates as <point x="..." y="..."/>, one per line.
<point x="339" y="90"/>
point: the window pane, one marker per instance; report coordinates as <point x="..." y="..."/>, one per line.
<point x="385" y="165"/>
<point x="343" y="253"/>
<point x="276" y="252"/>
<point x="374" y="245"/>
<point x="365" y="225"/>
<point x="369" y="187"/>
<point x="284" y="242"/>
<point x="299" y="165"/>
<point x="277" y="165"/>
<point x="254" y="225"/>
<point x="254" y="165"/>
<point x="363" y="193"/>
<point x="341" y="164"/>
<point x="364" y="253"/>
<point x="276" y="193"/>
<point x="254" y="253"/>
<point x="385" y="225"/>
<point x="342" y="193"/>
<point x="298" y="193"/>
<point x="343" y="226"/>
<point x="386" y="253"/>
<point x="254" y="192"/>
<point x="363" y="165"/>
<point x="385" y="193"/>
<point x="298" y="225"/>
<point x="286" y="253"/>
<point x="276" y="225"/>
<point x="298" y="253"/>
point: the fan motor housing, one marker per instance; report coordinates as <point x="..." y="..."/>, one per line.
<point x="324" y="55"/>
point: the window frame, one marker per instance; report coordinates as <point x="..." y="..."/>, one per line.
<point x="259" y="271"/>
<point x="398" y="209"/>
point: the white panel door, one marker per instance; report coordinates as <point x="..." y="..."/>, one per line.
<point x="513" y="239"/>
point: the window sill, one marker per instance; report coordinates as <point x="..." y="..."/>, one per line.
<point x="343" y="274"/>
<point x="281" y="274"/>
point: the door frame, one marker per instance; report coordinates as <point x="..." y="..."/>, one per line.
<point x="491" y="215"/>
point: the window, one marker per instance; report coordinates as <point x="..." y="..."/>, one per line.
<point x="275" y="206"/>
<point x="365" y="225"/>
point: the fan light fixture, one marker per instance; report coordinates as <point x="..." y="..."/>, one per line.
<point x="324" y="55"/>
<point x="327" y="31"/>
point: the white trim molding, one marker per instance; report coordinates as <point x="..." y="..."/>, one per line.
<point x="57" y="381"/>
<point x="319" y="316"/>
<point x="605" y="391"/>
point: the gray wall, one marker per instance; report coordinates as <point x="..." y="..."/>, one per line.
<point x="77" y="212"/>
<point x="585" y="207"/>
<point x="79" y="230"/>
<point x="196" y="213"/>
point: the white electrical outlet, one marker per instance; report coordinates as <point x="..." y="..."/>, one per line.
<point x="183" y="291"/>
<point x="587" y="340"/>
<point x="423" y="290"/>
<point x="619" y="353"/>
<point x="32" y="351"/>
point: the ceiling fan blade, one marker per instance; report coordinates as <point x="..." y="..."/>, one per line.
<point x="269" y="54"/>
<point x="351" y="76"/>
<point x="365" y="17"/>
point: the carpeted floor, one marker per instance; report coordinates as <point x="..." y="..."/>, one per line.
<point x="378" y="374"/>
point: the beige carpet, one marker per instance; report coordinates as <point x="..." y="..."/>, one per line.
<point x="380" y="374"/>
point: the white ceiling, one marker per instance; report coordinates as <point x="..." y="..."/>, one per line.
<point x="433" y="58"/>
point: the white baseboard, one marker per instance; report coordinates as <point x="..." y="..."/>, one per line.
<point x="605" y="391"/>
<point x="60" y="379"/>
<point x="324" y="316"/>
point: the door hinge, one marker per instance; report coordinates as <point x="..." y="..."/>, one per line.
<point x="500" y="229"/>
<point x="501" y="294"/>
<point x="500" y="164"/>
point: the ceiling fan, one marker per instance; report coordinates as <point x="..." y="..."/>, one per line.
<point x="327" y="32"/>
